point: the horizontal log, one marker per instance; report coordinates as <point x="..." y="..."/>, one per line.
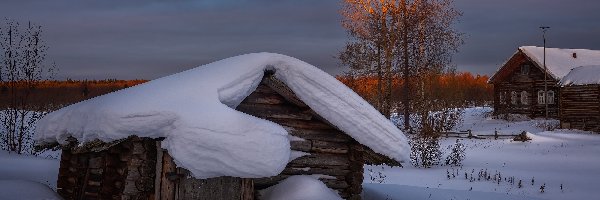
<point x="329" y="147"/>
<point x="94" y="183"/>
<point x="274" y="111"/>
<point x="304" y="146"/>
<point x="262" y="183"/>
<point x="326" y="170"/>
<point x="302" y="124"/>
<point x="262" y="88"/>
<point x="283" y="90"/>
<point x="330" y="135"/>
<point x="264" y="98"/>
<point x="319" y="159"/>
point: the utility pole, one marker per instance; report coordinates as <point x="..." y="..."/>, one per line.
<point x="544" y="29"/>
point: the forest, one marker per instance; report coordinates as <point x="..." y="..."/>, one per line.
<point x="463" y="87"/>
<point x="54" y="94"/>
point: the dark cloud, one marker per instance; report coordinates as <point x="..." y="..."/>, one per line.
<point x="150" y="39"/>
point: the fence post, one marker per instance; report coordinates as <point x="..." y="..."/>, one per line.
<point x="495" y="134"/>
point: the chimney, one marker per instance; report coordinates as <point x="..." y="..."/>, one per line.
<point x="574" y="55"/>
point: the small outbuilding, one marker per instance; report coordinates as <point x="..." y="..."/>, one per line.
<point x="580" y="99"/>
<point x="226" y="130"/>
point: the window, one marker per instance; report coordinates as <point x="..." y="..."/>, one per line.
<point x="525" y="69"/>
<point x="550" y="97"/>
<point x="541" y="97"/>
<point x="524" y="98"/>
<point x="502" y="97"/>
<point x="513" y="98"/>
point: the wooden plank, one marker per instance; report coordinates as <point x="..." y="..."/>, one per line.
<point x="247" y="189"/>
<point x="283" y="90"/>
<point x="159" y="168"/>
<point x="304" y="146"/>
<point x="302" y="124"/>
<point x="220" y="188"/>
<point x="167" y="186"/>
<point x="270" y="98"/>
<point x="319" y="160"/>
<point x="327" y="135"/>
<point x="326" y="170"/>
<point x="274" y="111"/>
<point x="329" y="147"/>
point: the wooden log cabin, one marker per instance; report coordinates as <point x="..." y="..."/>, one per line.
<point x="519" y="85"/>
<point x="138" y="168"/>
<point x="580" y="99"/>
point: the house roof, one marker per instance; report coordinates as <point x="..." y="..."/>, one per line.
<point x="584" y="75"/>
<point x="558" y="61"/>
<point x="194" y="111"/>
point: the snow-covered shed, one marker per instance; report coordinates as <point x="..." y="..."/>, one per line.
<point x="220" y="131"/>
<point x="580" y="99"/>
<point x="519" y="83"/>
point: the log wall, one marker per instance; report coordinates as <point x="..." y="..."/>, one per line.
<point x="580" y="107"/>
<point x="124" y="171"/>
<point x="332" y="153"/>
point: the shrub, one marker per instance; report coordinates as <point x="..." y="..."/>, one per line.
<point x="457" y="154"/>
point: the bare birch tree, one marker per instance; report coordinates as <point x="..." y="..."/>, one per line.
<point x="22" y="67"/>
<point x="407" y="38"/>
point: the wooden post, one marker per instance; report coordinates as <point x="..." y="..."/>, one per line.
<point x="159" y="169"/>
<point x="495" y="134"/>
<point x="167" y="187"/>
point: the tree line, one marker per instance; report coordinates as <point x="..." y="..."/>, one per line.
<point x="54" y="94"/>
<point x="464" y="88"/>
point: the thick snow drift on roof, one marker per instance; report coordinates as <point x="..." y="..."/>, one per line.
<point x="194" y="111"/>
<point x="584" y="75"/>
<point x="301" y="187"/>
<point x="560" y="61"/>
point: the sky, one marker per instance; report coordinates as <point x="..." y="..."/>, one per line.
<point x="149" y="39"/>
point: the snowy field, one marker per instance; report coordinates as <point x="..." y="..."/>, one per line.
<point x="551" y="158"/>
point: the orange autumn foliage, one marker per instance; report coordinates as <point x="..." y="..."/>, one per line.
<point x="464" y="86"/>
<point x="56" y="94"/>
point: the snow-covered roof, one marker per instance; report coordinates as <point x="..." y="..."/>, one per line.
<point x="560" y="61"/>
<point x="195" y="112"/>
<point x="584" y="75"/>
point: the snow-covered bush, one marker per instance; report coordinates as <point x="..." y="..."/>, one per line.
<point x="425" y="151"/>
<point x="457" y="154"/>
<point x="22" y="68"/>
<point x="431" y="120"/>
<point x="16" y="130"/>
<point x="548" y="125"/>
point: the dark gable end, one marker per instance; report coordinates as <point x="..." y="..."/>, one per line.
<point x="513" y="64"/>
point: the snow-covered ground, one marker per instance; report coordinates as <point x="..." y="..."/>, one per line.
<point x="28" y="177"/>
<point x="552" y="158"/>
<point x="26" y="190"/>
